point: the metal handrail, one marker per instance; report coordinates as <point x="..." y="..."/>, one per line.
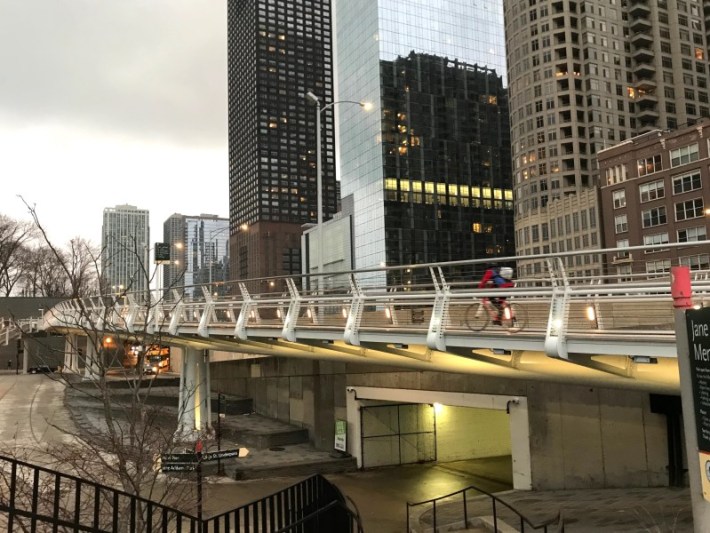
<point x="558" y="519"/>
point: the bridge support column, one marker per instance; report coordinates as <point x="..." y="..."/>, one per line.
<point x="71" y="353"/>
<point x="91" y="366"/>
<point x="25" y="356"/>
<point x="194" y="404"/>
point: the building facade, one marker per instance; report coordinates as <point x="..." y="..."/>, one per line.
<point x="585" y="76"/>
<point x="125" y="249"/>
<point x="655" y="192"/>
<point x="199" y="253"/>
<point x="429" y="167"/>
<point x="278" y="51"/>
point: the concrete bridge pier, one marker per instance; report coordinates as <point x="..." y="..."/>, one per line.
<point x="194" y="410"/>
<point x="71" y="353"/>
<point x="26" y="347"/>
<point x="92" y="368"/>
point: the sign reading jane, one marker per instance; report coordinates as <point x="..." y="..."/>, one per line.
<point x="698" y="325"/>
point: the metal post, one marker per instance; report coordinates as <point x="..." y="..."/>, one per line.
<point x="681" y="291"/>
<point x="319" y="190"/>
<point x="220" y="467"/>
<point x="198" y="453"/>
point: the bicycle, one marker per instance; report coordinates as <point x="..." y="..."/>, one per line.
<point x="514" y="317"/>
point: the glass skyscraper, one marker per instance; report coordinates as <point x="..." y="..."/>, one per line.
<point x="429" y="166"/>
<point x="199" y="253"/>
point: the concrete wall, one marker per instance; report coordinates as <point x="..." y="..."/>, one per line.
<point x="468" y="433"/>
<point x="580" y="436"/>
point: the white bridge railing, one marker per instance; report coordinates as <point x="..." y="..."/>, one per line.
<point x="414" y="304"/>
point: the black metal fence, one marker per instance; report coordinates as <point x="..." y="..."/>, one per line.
<point x="311" y="506"/>
<point x="38" y="499"/>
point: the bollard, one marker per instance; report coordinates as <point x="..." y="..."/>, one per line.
<point x="680" y="287"/>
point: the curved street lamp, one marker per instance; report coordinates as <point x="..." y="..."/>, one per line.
<point x="319" y="178"/>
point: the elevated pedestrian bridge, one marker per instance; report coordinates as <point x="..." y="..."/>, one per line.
<point x="611" y="328"/>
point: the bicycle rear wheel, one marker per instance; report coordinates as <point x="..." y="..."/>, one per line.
<point x="476" y="317"/>
<point x="514" y="318"/>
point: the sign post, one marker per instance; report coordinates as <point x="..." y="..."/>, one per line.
<point x="692" y="328"/>
<point x="198" y="456"/>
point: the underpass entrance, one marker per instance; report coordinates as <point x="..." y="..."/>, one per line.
<point x="397" y="434"/>
<point x="388" y="427"/>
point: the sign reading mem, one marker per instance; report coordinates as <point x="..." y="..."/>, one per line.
<point x="698" y="325"/>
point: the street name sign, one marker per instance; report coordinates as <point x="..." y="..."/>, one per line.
<point x="187" y="462"/>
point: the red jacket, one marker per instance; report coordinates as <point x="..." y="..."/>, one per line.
<point x="489" y="279"/>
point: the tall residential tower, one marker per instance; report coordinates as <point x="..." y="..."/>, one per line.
<point x="125" y="253"/>
<point x="278" y="51"/>
<point x="585" y="75"/>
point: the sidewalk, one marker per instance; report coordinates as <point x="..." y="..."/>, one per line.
<point x="584" y="511"/>
<point x="276" y="449"/>
<point x="381" y="495"/>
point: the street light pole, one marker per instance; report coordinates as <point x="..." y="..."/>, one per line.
<point x="319" y="176"/>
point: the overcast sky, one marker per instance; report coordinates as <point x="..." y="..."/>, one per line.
<point x="107" y="102"/>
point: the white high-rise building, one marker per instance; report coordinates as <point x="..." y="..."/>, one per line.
<point x="125" y="253"/>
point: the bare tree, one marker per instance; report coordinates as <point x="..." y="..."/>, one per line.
<point x="121" y="449"/>
<point x="82" y="268"/>
<point x="42" y="275"/>
<point x="13" y="237"/>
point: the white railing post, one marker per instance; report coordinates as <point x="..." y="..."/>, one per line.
<point x="435" y="336"/>
<point x="207" y="313"/>
<point x="555" y="337"/>
<point x="176" y="313"/>
<point x="288" y="331"/>
<point x="248" y="306"/>
<point x="352" y="324"/>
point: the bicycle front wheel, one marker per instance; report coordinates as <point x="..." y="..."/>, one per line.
<point x="514" y="318"/>
<point x="476" y="317"/>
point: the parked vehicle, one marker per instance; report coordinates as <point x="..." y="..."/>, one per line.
<point x="40" y="369"/>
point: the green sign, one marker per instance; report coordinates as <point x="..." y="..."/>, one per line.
<point x="162" y="252"/>
<point x="341" y="435"/>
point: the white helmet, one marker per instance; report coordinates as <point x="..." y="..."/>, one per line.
<point x="506" y="272"/>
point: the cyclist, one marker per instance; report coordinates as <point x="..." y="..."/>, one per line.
<point x="499" y="278"/>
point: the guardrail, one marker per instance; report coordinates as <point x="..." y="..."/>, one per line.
<point x="463" y="516"/>
<point x="429" y="300"/>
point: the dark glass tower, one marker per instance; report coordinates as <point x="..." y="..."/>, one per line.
<point x="428" y="168"/>
<point x="446" y="150"/>
<point x="278" y="50"/>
